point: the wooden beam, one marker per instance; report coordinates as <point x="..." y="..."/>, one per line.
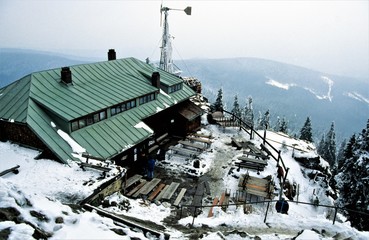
<point x="215" y="202"/>
<point x="180" y="196"/>
<point x="156" y="192"/>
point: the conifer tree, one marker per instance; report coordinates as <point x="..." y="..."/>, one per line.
<point x="265" y="121"/>
<point x="236" y="108"/>
<point x="218" y="105"/>
<point x="352" y="181"/>
<point x="341" y="153"/>
<point x="284" y="126"/>
<point x="281" y="125"/>
<point x="249" y="113"/>
<point x="321" y="145"/>
<point x="329" y="153"/>
<point x="306" y="131"/>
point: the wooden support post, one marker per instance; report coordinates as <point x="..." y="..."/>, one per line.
<point x="266" y="213"/>
<point x="285" y="176"/>
<point x="265" y="134"/>
<point x="335" y="215"/>
<point x="193" y="219"/>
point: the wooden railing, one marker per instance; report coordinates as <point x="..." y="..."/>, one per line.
<point x="251" y="131"/>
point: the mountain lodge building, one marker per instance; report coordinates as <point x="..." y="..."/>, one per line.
<point x="111" y="110"/>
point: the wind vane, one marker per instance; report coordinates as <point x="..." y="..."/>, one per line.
<point x="166" y="61"/>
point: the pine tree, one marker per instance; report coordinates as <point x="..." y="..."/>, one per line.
<point x="278" y="124"/>
<point x="341" y="153"/>
<point x="306" y="131"/>
<point x="249" y="113"/>
<point x="218" y="105"/>
<point x="321" y="145"/>
<point x="281" y="125"/>
<point x="349" y="150"/>
<point x="329" y="153"/>
<point x="365" y="137"/>
<point x="284" y="126"/>
<point x="353" y="181"/>
<point x="236" y="108"/>
<point x="264" y="121"/>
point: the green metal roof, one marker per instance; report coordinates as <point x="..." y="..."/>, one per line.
<point x="95" y="86"/>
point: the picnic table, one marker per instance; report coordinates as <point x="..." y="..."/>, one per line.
<point x="184" y="151"/>
<point x="207" y="142"/>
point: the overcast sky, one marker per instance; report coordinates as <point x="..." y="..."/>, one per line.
<point x="330" y="36"/>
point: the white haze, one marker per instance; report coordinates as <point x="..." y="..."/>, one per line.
<point x="330" y="36"/>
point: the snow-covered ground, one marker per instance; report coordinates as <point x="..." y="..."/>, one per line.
<point x="44" y="193"/>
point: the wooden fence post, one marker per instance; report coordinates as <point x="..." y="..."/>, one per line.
<point x="335" y="214"/>
<point x="266" y="213"/>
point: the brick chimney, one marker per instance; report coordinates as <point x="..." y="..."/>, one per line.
<point x="112" y="55"/>
<point x="66" y="75"/>
<point x="155" y="79"/>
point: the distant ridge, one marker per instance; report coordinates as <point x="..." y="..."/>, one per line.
<point x="287" y="91"/>
<point x="16" y="63"/>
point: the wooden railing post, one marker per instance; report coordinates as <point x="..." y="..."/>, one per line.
<point x="266" y="213"/>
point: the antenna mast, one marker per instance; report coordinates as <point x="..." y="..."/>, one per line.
<point x="166" y="61"/>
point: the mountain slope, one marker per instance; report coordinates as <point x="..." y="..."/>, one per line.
<point x="287" y="90"/>
<point x="16" y="63"/>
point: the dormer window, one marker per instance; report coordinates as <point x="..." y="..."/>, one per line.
<point x="175" y="88"/>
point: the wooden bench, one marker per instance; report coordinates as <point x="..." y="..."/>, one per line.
<point x="207" y="142"/>
<point x="265" y="149"/>
<point x="184" y="151"/>
<point x="252" y="160"/>
<point x="257" y="155"/>
<point x="202" y="135"/>
<point x="236" y="143"/>
<point x="254" y="149"/>
<point x="192" y="145"/>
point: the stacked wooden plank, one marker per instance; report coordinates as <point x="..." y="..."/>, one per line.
<point x="257" y="186"/>
<point x="136" y="186"/>
<point x="223" y="201"/>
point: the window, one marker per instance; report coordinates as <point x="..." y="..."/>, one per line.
<point x="96" y="118"/>
<point x="175" y="88"/>
<point x="102" y="115"/>
<point x="113" y="111"/>
<point x="75" y="125"/>
<point x="90" y="120"/>
<point x="147" y="98"/>
<point x="82" y="123"/>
